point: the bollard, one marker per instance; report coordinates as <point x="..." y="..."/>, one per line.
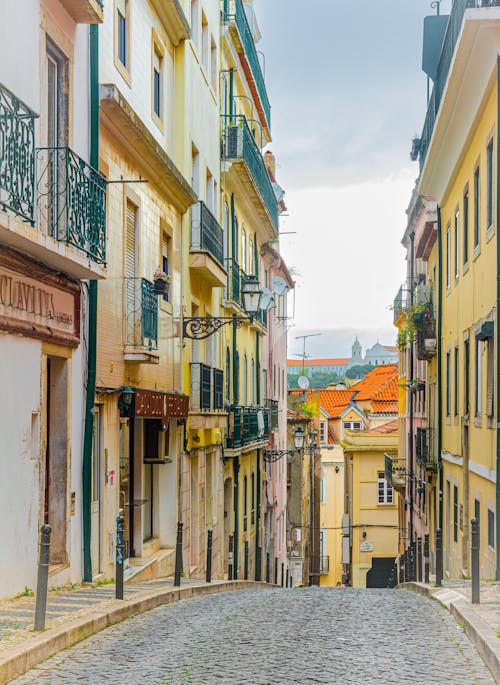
<point x="286" y="584"/>
<point x="413" y="555"/>
<point x="291" y="581"/>
<point x="208" y="576"/>
<point x="474" y="552"/>
<point x="120" y="549"/>
<point x="230" y="559"/>
<point x="268" y="567"/>
<point x="427" y="558"/>
<point x="407" y="564"/>
<point x="258" y="564"/>
<point x="275" y="570"/>
<point x="282" y="574"/>
<point x="178" y="555"/>
<point x="400" y="569"/>
<point x="419" y="559"/>
<point x="439" y="557"/>
<point x="245" y="561"/>
<point x="42" y="578"/>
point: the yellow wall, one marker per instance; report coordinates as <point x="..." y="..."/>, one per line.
<point x="332" y="509"/>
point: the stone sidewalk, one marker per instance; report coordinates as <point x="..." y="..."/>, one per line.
<point x="80" y="611"/>
<point x="480" y="621"/>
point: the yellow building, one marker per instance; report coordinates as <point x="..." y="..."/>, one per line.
<point x="331" y="511"/>
<point x="458" y="156"/>
<point x="370" y="527"/>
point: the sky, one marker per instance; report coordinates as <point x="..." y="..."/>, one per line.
<point x="347" y="95"/>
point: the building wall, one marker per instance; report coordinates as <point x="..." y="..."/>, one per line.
<point x="332" y="509"/>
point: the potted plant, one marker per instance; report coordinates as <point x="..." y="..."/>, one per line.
<point x="161" y="282"/>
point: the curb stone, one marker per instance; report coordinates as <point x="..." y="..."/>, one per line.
<point x="41" y="646"/>
<point x="482" y="635"/>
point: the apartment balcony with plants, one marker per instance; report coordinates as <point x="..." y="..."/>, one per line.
<point x="54" y="202"/>
<point x="247" y="426"/>
<point x="236" y="20"/>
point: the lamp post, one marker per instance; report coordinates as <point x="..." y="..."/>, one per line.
<point x="298" y="442"/>
<point x="202" y="327"/>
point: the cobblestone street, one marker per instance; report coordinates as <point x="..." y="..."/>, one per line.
<point x="277" y="637"/>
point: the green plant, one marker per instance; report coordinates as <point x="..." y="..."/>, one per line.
<point x="109" y="581"/>
<point x="182" y="574"/>
<point x="27" y="592"/>
<point x="309" y="409"/>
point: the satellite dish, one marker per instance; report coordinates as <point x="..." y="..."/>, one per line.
<point x="303" y="382"/>
<point x="279" y="285"/>
<point x="267" y="300"/>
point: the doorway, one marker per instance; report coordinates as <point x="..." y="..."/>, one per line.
<point x="380" y="575"/>
<point x="56" y="456"/>
<point x="228" y="498"/>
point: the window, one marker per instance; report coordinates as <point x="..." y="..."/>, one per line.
<point x="448" y="384"/>
<point x="478" y="379"/>
<point x="323" y="432"/>
<point x="195" y="21"/>
<point x="352" y="425"/>
<point x="457" y="222"/>
<point x="57" y="96"/>
<point x="165" y="252"/>
<point x="466" y="227"/>
<point x="252" y="382"/>
<point x="228" y="374"/>
<point x="448" y="257"/>
<point x="455" y="386"/>
<point x="213" y="63"/>
<point x="466" y="376"/>
<point x="209" y="192"/>
<point x="252" y="501"/>
<point x="264" y="384"/>
<point x="455" y="513"/>
<point x="489" y="162"/>
<point x="477" y="510"/>
<point x="477" y="208"/>
<point x="491" y="529"/>
<point x="322" y="490"/>
<point x="385" y="493"/>
<point x="244" y="249"/>
<point x="490" y="378"/>
<point x="122" y="32"/>
<point x="195" y="169"/>
<point x="245" y="381"/>
<point x="157" y="85"/>
<point x="204" y="42"/>
<point x="245" y="503"/>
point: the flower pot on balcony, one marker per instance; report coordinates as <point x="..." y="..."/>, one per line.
<point x="161" y="286"/>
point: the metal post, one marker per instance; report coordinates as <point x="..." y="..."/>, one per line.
<point x="120" y="548"/>
<point x="291" y="581"/>
<point x="400" y="570"/>
<point x="413" y="554"/>
<point x="245" y="561"/>
<point x="43" y="578"/>
<point x="178" y="555"/>
<point x="208" y="577"/>
<point x="427" y="558"/>
<point x="258" y="564"/>
<point x="268" y="567"/>
<point x="282" y="574"/>
<point x="406" y="564"/>
<point x="419" y="559"/>
<point x="275" y="570"/>
<point x="475" y="545"/>
<point x="439" y="557"/>
<point x="287" y="577"/>
<point x="230" y="559"/>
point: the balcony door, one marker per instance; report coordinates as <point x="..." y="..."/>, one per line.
<point x="132" y="287"/>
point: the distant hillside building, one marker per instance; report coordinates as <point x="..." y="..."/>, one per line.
<point x="338" y="366"/>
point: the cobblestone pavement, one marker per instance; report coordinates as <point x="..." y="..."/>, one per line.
<point x="277" y="637"/>
<point x="489" y="608"/>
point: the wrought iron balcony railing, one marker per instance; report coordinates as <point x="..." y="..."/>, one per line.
<point x="207" y="388"/>
<point x="399" y="303"/>
<point x="206" y="233"/>
<point x="17" y="156"/>
<point x="235" y="11"/>
<point x="238" y="143"/>
<point x="447" y="51"/>
<point x="395" y="471"/>
<point x="141" y="304"/>
<point x="261" y="317"/>
<point x="72" y="201"/>
<point x="246" y="425"/>
<point x="273" y="408"/>
<point x="425" y="449"/>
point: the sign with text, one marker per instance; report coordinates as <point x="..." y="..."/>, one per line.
<point x="366" y="546"/>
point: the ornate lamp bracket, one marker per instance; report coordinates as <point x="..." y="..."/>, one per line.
<point x="201" y="327"/>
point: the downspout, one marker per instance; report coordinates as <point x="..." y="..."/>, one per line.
<point x="440" y="369"/>
<point x="497" y="399"/>
<point x="410" y="408"/>
<point x="92" y="322"/>
<point x="231" y="95"/>
<point x="257" y="503"/>
<point x="236" y="472"/>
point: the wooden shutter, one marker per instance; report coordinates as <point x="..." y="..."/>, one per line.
<point x="130" y="240"/>
<point x="490" y="388"/>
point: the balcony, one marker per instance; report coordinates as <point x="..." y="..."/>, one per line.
<point x="207" y="388"/>
<point x="247" y="425"/>
<point x="425" y="452"/>
<point x="141" y="313"/>
<point x="273" y="408"/>
<point x="207" y="246"/>
<point x="240" y="148"/>
<point x="395" y="472"/>
<point x="173" y="19"/>
<point x="72" y="201"/>
<point x="399" y="306"/>
<point x="426" y="341"/>
<point x="85" y="11"/>
<point x="236" y="18"/>
<point x="452" y="34"/>
<point x="261" y="318"/>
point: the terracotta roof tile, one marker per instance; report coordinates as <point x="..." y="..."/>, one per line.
<point x="318" y="362"/>
<point x="383" y="377"/>
<point x="334" y="402"/>
<point x="390" y="427"/>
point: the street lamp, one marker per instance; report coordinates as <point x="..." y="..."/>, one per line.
<point x="298" y="442"/>
<point x="201" y="327"/>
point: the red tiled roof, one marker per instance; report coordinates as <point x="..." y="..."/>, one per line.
<point x="383" y="381"/>
<point x="384" y="407"/>
<point x="318" y="362"/>
<point x="391" y="348"/>
<point x="333" y="401"/>
<point x="391" y="427"/>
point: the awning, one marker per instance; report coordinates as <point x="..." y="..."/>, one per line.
<point x="154" y="404"/>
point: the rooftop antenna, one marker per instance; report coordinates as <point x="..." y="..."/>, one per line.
<point x="304" y="355"/>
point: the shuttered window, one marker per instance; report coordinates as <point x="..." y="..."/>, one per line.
<point x="490" y="379"/>
<point x="130" y="256"/>
<point x="165" y="251"/>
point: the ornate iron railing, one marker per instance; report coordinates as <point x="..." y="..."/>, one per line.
<point x="238" y="142"/>
<point x="235" y="11"/>
<point x="425" y="452"/>
<point x="246" y="425"/>
<point x="261" y="317"/>
<point x="206" y="233"/>
<point x="273" y="407"/>
<point x="72" y="201"/>
<point x="452" y="33"/>
<point x="17" y="156"/>
<point x="141" y="304"/>
<point x="395" y="471"/>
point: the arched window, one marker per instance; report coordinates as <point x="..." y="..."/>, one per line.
<point x="252" y="383"/>
<point x="243" y="249"/>
<point x="251" y="260"/>
<point x="245" y="503"/>
<point x="228" y="375"/>
<point x="244" y="398"/>
<point x="227" y="230"/>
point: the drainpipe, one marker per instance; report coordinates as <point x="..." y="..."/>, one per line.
<point x="258" y="476"/>
<point x="92" y="319"/>
<point x="231" y="95"/>
<point x="236" y="472"/>
<point x="497" y="521"/>
<point x="410" y="408"/>
<point x="440" y="369"/>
